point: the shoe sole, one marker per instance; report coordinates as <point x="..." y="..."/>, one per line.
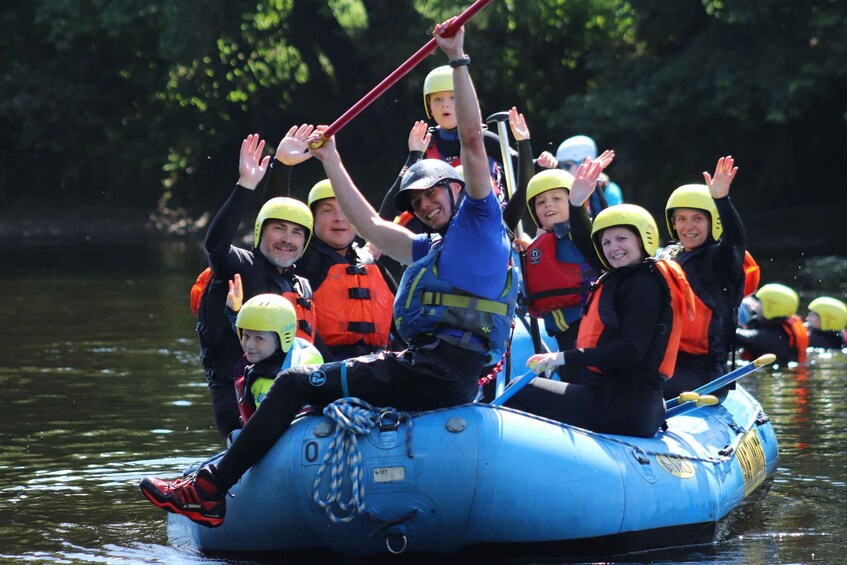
<point x="169" y="506"/>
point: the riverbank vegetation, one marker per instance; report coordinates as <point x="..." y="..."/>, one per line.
<point x="141" y="105"/>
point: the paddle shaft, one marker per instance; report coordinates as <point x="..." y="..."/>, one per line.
<point x="400" y="71"/>
<point x="516" y="385"/>
<point x="674" y="408"/>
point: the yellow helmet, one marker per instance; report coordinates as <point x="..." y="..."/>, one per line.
<point x="542" y="182"/>
<point x="269" y="313"/>
<point x="778" y="301"/>
<point x="320" y="191"/>
<point x="626" y="215"/>
<point x="832" y="312"/>
<point x="439" y="79"/>
<point x="697" y="197"/>
<point x="287" y="209"/>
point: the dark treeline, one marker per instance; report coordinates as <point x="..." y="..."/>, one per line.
<point x="143" y="104"/>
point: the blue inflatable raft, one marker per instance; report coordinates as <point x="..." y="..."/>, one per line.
<point x="478" y="478"/>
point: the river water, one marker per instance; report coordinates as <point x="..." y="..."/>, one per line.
<point x="101" y="385"/>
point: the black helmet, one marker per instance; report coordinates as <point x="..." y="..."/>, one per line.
<point x="424" y="174"/>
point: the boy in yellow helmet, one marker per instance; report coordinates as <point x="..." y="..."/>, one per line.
<point x="266" y="326"/>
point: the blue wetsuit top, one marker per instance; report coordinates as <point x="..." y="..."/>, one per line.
<point x="475" y="249"/>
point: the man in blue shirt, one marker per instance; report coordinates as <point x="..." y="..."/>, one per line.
<point x="453" y="308"/>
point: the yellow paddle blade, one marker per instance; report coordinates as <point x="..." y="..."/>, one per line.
<point x="765" y="359"/>
<point x="706" y="400"/>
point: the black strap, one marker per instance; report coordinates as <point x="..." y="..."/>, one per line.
<point x="556" y="292"/>
<point x="356" y="270"/>
<point x="359" y="293"/>
<point x="361" y="327"/>
<point x="304" y="326"/>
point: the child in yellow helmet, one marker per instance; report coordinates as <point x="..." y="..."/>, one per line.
<point x="266" y="326"/>
<point x="558" y="268"/>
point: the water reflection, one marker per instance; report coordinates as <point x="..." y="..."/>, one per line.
<point x="101" y="386"/>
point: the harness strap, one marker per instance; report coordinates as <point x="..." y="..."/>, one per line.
<point x="461" y="301"/>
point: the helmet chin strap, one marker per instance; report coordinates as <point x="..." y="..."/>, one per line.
<point x="454" y="206"/>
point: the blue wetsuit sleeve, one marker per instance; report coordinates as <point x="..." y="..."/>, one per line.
<point x="476" y="251"/>
<point x="421" y="245"/>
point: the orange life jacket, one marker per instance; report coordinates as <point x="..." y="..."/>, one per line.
<point x="695" y="334"/>
<point x="601" y="315"/>
<point x="550" y="284"/>
<point x="302" y="306"/>
<point x="356" y="306"/>
<point x="306" y="315"/>
<point x="752" y="274"/>
<point x="198" y="288"/>
<point x="798" y="336"/>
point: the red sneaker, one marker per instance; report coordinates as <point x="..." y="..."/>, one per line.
<point x="195" y="496"/>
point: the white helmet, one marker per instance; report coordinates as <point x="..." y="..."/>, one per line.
<point x="576" y="149"/>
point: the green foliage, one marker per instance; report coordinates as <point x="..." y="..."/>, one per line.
<point x="144" y="103"/>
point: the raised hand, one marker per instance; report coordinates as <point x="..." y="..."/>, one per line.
<point x="452" y="46"/>
<point x="724" y="175"/>
<point x="293" y="149"/>
<point x="585" y="181"/>
<point x="327" y="149"/>
<point x="251" y="164"/>
<point x="235" y="296"/>
<point x="419" y="136"/>
<point x="517" y="123"/>
<point x="521" y="244"/>
<point x="606" y="158"/>
<point x="547" y="160"/>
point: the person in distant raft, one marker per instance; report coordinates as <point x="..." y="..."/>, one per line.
<point x="825" y="323"/>
<point x="774" y="326"/>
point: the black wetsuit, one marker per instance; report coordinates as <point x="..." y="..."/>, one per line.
<point x="766" y="336"/>
<point x="220" y="349"/>
<point x="715" y="271"/>
<point x="820" y="339"/>
<point x="626" y="397"/>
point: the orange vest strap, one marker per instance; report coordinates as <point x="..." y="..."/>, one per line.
<point x="798" y="336"/>
<point x="198" y="288"/>
<point x="752" y="274"/>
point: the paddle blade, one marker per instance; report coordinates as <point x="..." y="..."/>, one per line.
<point x="706" y="400"/>
<point x="765" y="359"/>
<point x="687" y="397"/>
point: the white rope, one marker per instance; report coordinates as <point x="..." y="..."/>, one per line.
<point x="352" y="417"/>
